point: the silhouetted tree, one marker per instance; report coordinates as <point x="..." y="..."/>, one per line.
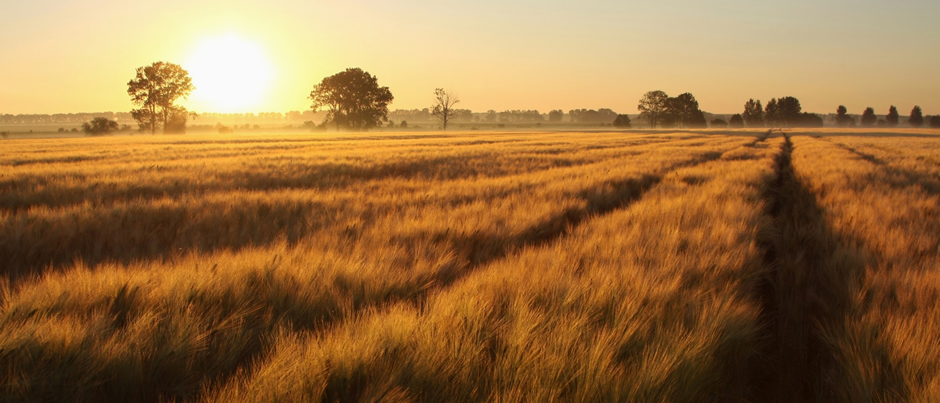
<point x="753" y="113"/>
<point x="683" y="110"/>
<point x="892" y="118"/>
<point x="443" y="106"/>
<point x="622" y="121"/>
<point x="771" y="115"/>
<point x="491" y="115"/>
<point x="652" y="106"/>
<point x="868" y="117"/>
<point x="155" y="90"/>
<point x="808" y="120"/>
<point x="917" y="117"/>
<point x="935" y="121"/>
<point x="403" y="124"/>
<point x="842" y="117"/>
<point x="736" y="122"/>
<point x="353" y="99"/>
<point x="785" y="111"/>
<point x="719" y="123"/>
<point x="556" y="115"/>
<point x="98" y="126"/>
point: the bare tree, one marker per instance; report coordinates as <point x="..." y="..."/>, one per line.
<point x="443" y="106"/>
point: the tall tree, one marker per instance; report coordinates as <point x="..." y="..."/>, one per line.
<point x="892" y="118"/>
<point x="753" y="113"/>
<point x="789" y="111"/>
<point x="868" y="117"/>
<point x="353" y="99"/>
<point x="652" y="106"/>
<point x="917" y="117"/>
<point x="155" y="90"/>
<point x="443" y="106"/>
<point x="684" y="111"/>
<point x="771" y="113"/>
<point x="842" y="116"/>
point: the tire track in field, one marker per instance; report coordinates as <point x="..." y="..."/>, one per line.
<point x="895" y="177"/>
<point x="482" y="250"/>
<point x="803" y="291"/>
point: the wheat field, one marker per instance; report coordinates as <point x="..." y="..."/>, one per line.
<point x="472" y="267"/>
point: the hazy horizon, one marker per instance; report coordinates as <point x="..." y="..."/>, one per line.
<point x="495" y="55"/>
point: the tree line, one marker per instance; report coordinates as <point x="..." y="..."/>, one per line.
<point x="353" y="100"/>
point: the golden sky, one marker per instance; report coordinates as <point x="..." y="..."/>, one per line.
<point x="77" y="56"/>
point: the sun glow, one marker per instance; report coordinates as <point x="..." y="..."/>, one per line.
<point x="231" y="74"/>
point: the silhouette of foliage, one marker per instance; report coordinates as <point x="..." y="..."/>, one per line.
<point x="589" y="116"/>
<point x="917" y="117"/>
<point x="868" y="117"/>
<point x="753" y="113"/>
<point x="718" y="123"/>
<point x="785" y="111"/>
<point x="155" y="90"/>
<point x="353" y="99"/>
<point x="892" y="118"/>
<point x="556" y="115"/>
<point x="842" y="117"/>
<point x="935" y="121"/>
<point x="736" y="122"/>
<point x="98" y="127"/>
<point x="622" y="121"/>
<point x="653" y="106"/>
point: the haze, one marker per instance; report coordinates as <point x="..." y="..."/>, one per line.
<point x="77" y="56"/>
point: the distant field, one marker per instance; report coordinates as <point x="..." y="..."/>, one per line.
<point x="472" y="266"/>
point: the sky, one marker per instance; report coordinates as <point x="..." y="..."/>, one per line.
<point x="61" y="56"/>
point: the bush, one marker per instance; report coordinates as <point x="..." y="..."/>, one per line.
<point x="622" y="121"/>
<point x="935" y="121"/>
<point x="99" y="126"/>
<point x="718" y="123"/>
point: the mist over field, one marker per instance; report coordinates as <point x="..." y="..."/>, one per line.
<point x="489" y="201"/>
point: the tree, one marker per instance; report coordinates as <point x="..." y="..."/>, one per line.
<point x="353" y="99"/>
<point x="652" y="106"/>
<point x="892" y="117"/>
<point x="868" y="117"/>
<point x="684" y="111"/>
<point x="443" y="106"/>
<point x="622" y="121"/>
<point x="719" y="123"/>
<point x="842" y="117"/>
<point x="935" y="121"/>
<point x="155" y="90"/>
<point x="785" y="111"/>
<point x="753" y="114"/>
<point x="736" y="122"/>
<point x="556" y="115"/>
<point x="99" y="126"/>
<point x="917" y="117"/>
<point x="771" y="115"/>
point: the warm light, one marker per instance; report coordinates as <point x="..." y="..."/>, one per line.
<point x="231" y="74"/>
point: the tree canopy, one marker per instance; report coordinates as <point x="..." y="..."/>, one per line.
<point x="842" y="117"/>
<point x="99" y="126"/>
<point x="353" y="99"/>
<point x="652" y="107"/>
<point x="622" y="121"/>
<point x="155" y="90"/>
<point x="868" y="117"/>
<point x="917" y="117"/>
<point x="753" y="113"/>
<point x="892" y="118"/>
<point x="736" y="121"/>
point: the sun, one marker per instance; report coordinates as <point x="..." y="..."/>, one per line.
<point x="231" y="74"/>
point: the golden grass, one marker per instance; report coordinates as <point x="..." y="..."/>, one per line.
<point x="468" y="267"/>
